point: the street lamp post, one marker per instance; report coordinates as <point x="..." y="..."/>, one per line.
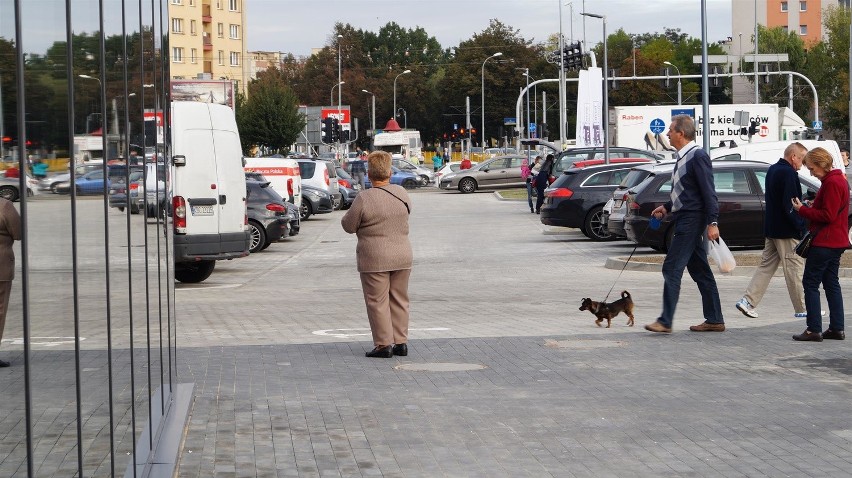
<point x="535" y="95"/>
<point x="679" y="90"/>
<point x="605" y="119"/>
<point x="373" y="109"/>
<point x="100" y="86"/>
<point x="394" y="89"/>
<point x="482" y="110"/>
<point x="331" y="94"/>
<point x="529" y="119"/>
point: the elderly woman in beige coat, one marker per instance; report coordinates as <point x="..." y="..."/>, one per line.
<point x="379" y="217"/>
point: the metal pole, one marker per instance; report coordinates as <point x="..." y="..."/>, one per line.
<point x="756" y="93"/>
<point x="705" y="80"/>
<point x="679" y="88"/>
<point x="528" y="101"/>
<point x="394" y="90"/>
<point x="606" y="96"/>
<point x="482" y="111"/>
<point x="339" y="95"/>
<point x="562" y="86"/>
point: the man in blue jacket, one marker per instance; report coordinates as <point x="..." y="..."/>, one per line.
<point x="695" y="209"/>
<point x="783" y="227"/>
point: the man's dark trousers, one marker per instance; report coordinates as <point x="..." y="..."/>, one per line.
<point x="688" y="250"/>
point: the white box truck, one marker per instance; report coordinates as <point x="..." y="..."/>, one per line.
<point x="645" y="127"/>
<point x="208" y="189"/>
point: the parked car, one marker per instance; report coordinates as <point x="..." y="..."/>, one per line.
<point x="424" y="175"/>
<point x="49" y="183"/>
<point x="615" y="209"/>
<point x="268" y="215"/>
<point x="90" y="183"/>
<point x="315" y="201"/>
<point x="321" y="173"/>
<point x="119" y="190"/>
<point x="567" y="158"/>
<point x="739" y="188"/>
<point x="497" y="172"/>
<point x="348" y="188"/>
<point x="398" y="177"/>
<point x="447" y="168"/>
<point x="10" y="188"/>
<point x="156" y="194"/>
<point x="296" y="221"/>
<point x="577" y="197"/>
<point x="771" y="151"/>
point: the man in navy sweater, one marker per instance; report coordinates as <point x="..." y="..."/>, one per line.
<point x="783" y="227"/>
<point x="696" y="210"/>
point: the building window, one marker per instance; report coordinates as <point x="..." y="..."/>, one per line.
<point x="785" y="29"/>
<point x="235" y="32"/>
<point x="191" y="3"/>
<point x="177" y="25"/>
<point x="220" y="29"/>
<point x="803" y="29"/>
<point x="803" y="6"/>
<point x="237" y="85"/>
<point x="192" y="28"/>
<point x="177" y="55"/>
<point x="193" y="55"/>
<point x="784" y="7"/>
<point x="235" y="58"/>
<point x="218" y="4"/>
<point x="177" y="2"/>
<point x="233" y="5"/>
<point x="221" y="57"/>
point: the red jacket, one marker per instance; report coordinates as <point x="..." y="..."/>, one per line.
<point x="830" y="211"/>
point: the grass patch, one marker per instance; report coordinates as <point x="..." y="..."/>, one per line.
<point x="517" y="193"/>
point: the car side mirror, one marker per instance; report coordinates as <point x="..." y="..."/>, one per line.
<point x="180" y="160"/>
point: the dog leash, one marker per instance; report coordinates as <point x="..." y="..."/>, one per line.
<point x="627" y="261"/>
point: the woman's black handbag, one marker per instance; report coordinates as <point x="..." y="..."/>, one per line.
<point x="804" y="246"/>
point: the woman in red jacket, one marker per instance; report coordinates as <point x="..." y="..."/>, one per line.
<point x="829" y="225"/>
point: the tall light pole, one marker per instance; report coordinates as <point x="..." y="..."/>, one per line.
<point x="605" y="119"/>
<point x="374" y="109"/>
<point x="535" y="95"/>
<point x="526" y="73"/>
<point x="482" y="111"/>
<point x="679" y="90"/>
<point x="331" y="94"/>
<point x="103" y="122"/>
<point x="394" y="90"/>
<point x="339" y="75"/>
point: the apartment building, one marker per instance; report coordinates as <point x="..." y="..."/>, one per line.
<point x="207" y="39"/>
<point x="801" y="16"/>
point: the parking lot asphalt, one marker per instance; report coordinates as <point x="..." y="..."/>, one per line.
<point x="505" y="376"/>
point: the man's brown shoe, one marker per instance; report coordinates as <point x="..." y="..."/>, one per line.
<point x="834" y="334"/>
<point x="659" y="328"/>
<point x="707" y="327"/>
<point x="808" y="336"/>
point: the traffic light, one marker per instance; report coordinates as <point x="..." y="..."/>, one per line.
<point x="667" y="81"/>
<point x="573" y="56"/>
<point x="612" y="82"/>
<point x="326" y="130"/>
<point x="715" y="81"/>
<point x="335" y="130"/>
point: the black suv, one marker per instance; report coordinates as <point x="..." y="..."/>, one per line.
<point x="577" y="197"/>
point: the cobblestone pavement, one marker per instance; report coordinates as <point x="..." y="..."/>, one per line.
<point x="505" y="376"/>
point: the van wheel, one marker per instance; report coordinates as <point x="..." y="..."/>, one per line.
<point x="193" y="272"/>
<point x="595" y="227"/>
<point x="306" y="210"/>
<point x="467" y="185"/>
<point x="257" y="237"/>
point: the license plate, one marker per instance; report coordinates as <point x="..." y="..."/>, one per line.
<point x="202" y="210"/>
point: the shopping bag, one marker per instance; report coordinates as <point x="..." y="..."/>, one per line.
<point x="722" y="256"/>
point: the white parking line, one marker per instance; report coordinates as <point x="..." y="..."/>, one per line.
<point x="44" y="341"/>
<point x="332" y="333"/>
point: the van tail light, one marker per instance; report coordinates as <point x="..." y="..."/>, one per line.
<point x="344" y="183"/>
<point x="275" y="207"/>
<point x="134" y="186"/>
<point x="559" y="193"/>
<point x="179" y="213"/>
<point x="290" y="187"/>
<point x="325" y="175"/>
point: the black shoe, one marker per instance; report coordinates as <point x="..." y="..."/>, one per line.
<point x="834" y="334"/>
<point x="4" y="364"/>
<point x="400" y="350"/>
<point x="808" y="336"/>
<point x="381" y="352"/>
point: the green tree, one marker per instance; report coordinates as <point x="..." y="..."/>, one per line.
<point x="828" y="67"/>
<point x="270" y="116"/>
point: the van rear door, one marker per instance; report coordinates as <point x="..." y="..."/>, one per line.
<point x="197" y="181"/>
<point x="231" y="194"/>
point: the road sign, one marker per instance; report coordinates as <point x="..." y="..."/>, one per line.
<point x="657" y="126"/>
<point x="532" y="127"/>
<point x="510" y="121"/>
<point x="817" y="125"/>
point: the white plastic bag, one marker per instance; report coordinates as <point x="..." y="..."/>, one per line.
<point x="722" y="256"/>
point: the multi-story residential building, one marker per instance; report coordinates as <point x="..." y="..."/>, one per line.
<point x="207" y="39"/>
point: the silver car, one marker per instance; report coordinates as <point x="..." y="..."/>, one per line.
<point x="425" y="175"/>
<point x="497" y="172"/>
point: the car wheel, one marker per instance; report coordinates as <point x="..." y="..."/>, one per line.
<point x="134" y="210"/>
<point x="120" y="209"/>
<point x="424" y="180"/>
<point x="53" y="188"/>
<point x="669" y="237"/>
<point x="306" y="210"/>
<point x="409" y="184"/>
<point x="595" y="227"/>
<point x="467" y="185"/>
<point x="194" y="272"/>
<point x="257" y="237"/>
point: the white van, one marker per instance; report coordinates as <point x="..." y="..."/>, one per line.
<point x="771" y="151"/>
<point x="208" y="189"/>
<point x="282" y="173"/>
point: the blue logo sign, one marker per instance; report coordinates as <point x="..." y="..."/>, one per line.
<point x="532" y="127"/>
<point x="657" y="126"/>
<point x="817" y="125"/>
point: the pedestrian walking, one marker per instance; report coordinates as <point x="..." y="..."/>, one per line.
<point x="379" y="217"/>
<point x="436" y="161"/>
<point x="358" y="170"/>
<point x="782" y="228"/>
<point x="695" y="209"/>
<point x="542" y="180"/>
<point x="527" y="177"/>
<point x="829" y="225"/>
<point x="10" y="231"/>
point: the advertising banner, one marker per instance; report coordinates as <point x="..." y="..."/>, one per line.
<point x="590" y="108"/>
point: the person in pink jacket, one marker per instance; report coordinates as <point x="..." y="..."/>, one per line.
<point x="829" y="225"/>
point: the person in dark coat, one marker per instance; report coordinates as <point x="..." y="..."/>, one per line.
<point x="542" y="180"/>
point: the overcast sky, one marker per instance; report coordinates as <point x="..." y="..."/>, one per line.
<point x="296" y="26"/>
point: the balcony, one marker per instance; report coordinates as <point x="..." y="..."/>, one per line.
<point x="208" y="42"/>
<point x="205" y="14"/>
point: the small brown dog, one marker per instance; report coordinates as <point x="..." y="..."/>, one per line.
<point x="603" y="310"/>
